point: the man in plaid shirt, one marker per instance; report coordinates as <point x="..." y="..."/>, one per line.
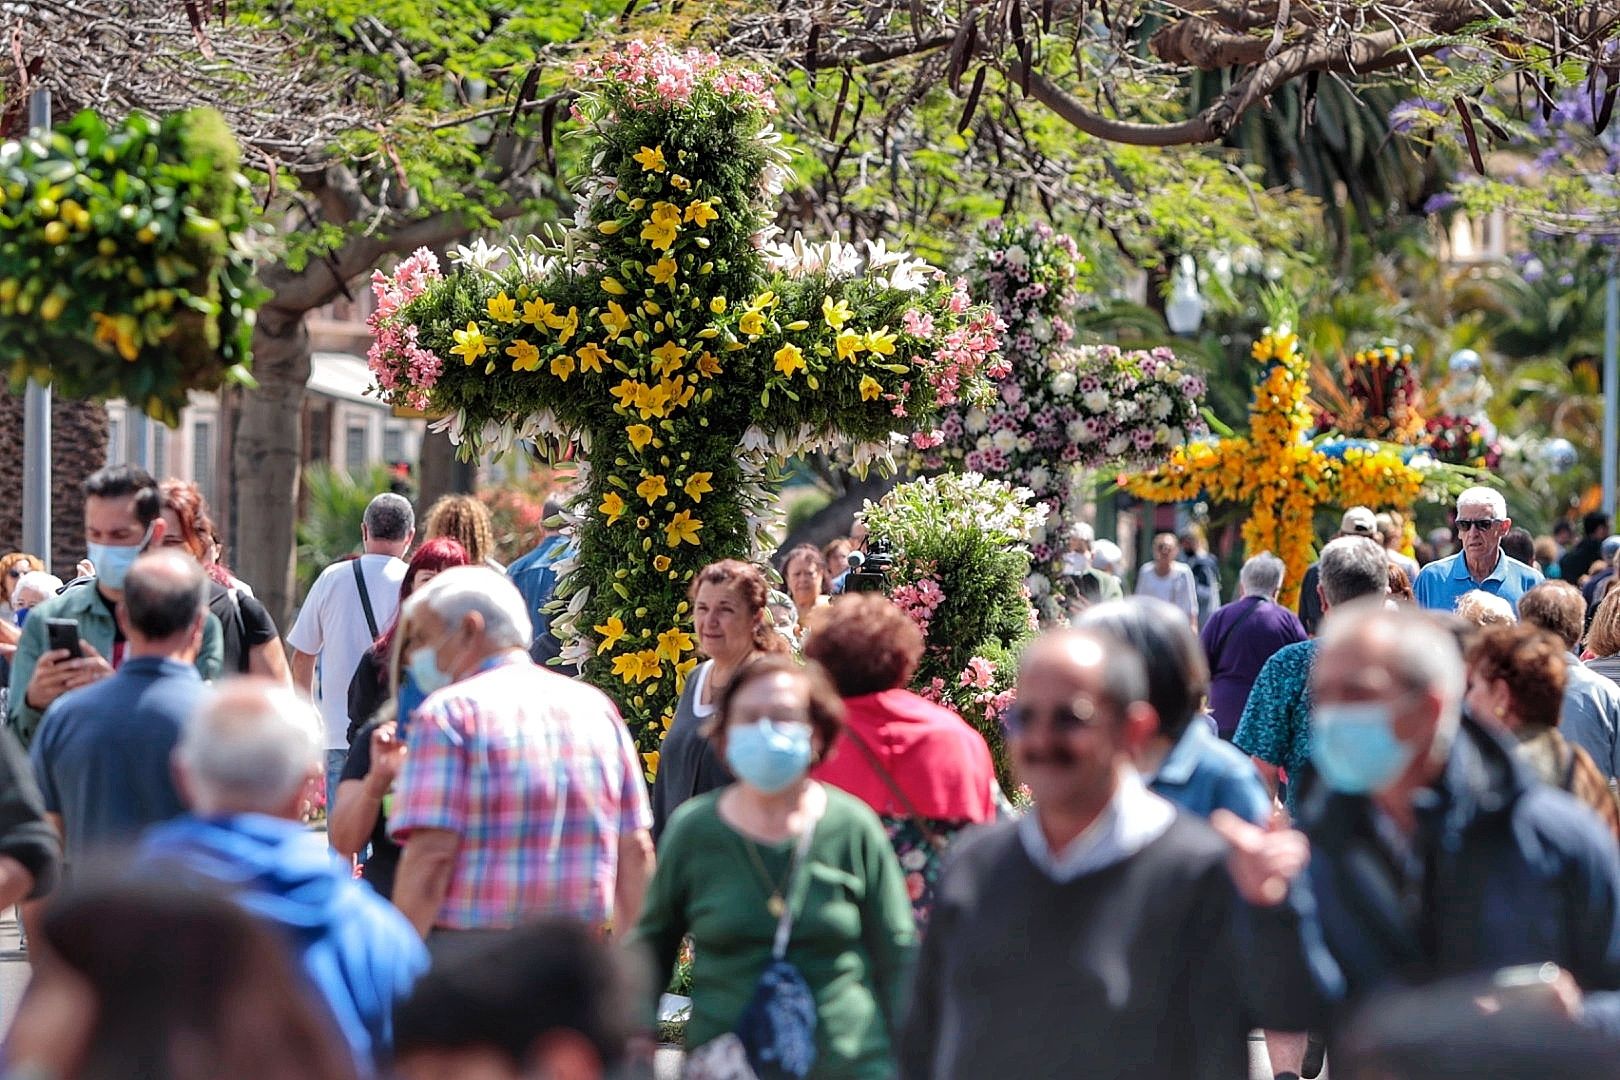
<point x="521" y="794"/>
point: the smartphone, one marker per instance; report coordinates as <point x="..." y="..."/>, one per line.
<point x="63" y="634"/>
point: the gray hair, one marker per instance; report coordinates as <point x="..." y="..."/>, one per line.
<point x="1353" y="566"/>
<point x="1082" y="532"/>
<point x="1262" y="575"/>
<point x="1177" y="673"/>
<point x="1484" y="496"/>
<point x="462" y="590"/>
<point x="389" y="517"/>
<point x="164" y="594"/>
<point x="1421" y="655"/>
<point x="1484" y="609"/>
<point x="43" y="582"/>
<point x="250" y="746"/>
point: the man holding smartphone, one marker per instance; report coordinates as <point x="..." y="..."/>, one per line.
<point x="122" y="518"/>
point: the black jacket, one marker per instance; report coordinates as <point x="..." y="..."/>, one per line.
<point x="1505" y="871"/>
<point x="25" y="835"/>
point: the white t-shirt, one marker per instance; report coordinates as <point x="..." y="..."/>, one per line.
<point x="1178" y="587"/>
<point x="332" y="625"/>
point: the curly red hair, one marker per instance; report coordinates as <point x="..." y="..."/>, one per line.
<point x="866" y="643"/>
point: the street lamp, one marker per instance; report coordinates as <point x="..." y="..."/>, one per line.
<point x="1185" y="309"/>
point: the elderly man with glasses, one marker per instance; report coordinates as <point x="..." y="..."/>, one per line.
<point x="1482" y="521"/>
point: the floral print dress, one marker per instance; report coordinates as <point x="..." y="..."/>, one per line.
<point x="920" y="859"/>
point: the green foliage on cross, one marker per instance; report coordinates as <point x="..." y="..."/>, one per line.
<point x="684" y="355"/>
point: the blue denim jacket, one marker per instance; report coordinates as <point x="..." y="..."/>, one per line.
<point x="1202" y="774"/>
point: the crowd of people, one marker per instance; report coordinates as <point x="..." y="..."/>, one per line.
<point x="1383" y="827"/>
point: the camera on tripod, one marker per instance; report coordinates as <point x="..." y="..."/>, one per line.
<point x="869" y="570"/>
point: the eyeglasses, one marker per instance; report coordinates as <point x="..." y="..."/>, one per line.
<point x="1081" y="715"/>
<point x="1465" y="524"/>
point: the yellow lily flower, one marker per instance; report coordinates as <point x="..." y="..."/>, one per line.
<point x="683" y="527"/>
<point x="717" y="304"/>
<point x="663" y="271"/>
<point x="649" y="765"/>
<point x="562" y="366"/>
<point x="661" y="237"/>
<point x="640" y="435"/>
<point x="752" y="323"/>
<point x="881" y="342"/>
<point x="679" y="182"/>
<point x="615" y="319"/>
<point x="611" y="632"/>
<point x="871" y="389"/>
<point x="627" y="666"/>
<point x="613" y="507"/>
<point x="661" y="563"/>
<point x="700" y="213"/>
<point x="697" y="485"/>
<point x="652" y="400"/>
<point x="850" y="344"/>
<point x="667" y="358"/>
<point x="591" y="357"/>
<point x="538" y="313"/>
<point x="666" y="214"/>
<point x="764" y="300"/>
<point x="789" y="359"/>
<point x="672" y="643"/>
<point x="650" y="158"/>
<point x="470" y="343"/>
<point x="566" y="325"/>
<point x="708" y="364"/>
<point x="502" y="308"/>
<point x="837" y="313"/>
<point x="626" y="392"/>
<point x="525" y="357"/>
<point x="652" y="489"/>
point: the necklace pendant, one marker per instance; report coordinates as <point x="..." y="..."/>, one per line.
<point x="775" y="905"/>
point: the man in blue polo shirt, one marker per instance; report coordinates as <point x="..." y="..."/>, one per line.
<point x="1482" y="521"/>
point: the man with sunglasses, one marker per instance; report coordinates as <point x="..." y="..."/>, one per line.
<point x="1062" y="937"/>
<point x="1482" y="521"/>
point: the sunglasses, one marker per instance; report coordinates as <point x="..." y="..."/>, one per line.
<point x="1082" y="714"/>
<point x="1466" y="524"/>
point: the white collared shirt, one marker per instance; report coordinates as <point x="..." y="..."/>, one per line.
<point x="1133" y="819"/>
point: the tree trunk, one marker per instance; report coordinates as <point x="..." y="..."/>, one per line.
<point x="836" y="518"/>
<point x="269" y="435"/>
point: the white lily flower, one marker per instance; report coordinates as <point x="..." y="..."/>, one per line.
<point x="480" y="256"/>
<point x="879" y="256"/>
<point x="910" y="275"/>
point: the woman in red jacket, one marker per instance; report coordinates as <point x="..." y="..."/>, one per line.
<point x="919" y="765"/>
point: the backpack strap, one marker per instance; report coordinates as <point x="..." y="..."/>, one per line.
<point x="888" y="779"/>
<point x="365" y="598"/>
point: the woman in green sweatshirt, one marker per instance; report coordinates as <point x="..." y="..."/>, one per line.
<point x="727" y="867"/>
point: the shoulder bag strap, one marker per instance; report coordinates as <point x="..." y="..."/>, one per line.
<point x="1215" y="654"/>
<point x="801" y="856"/>
<point x="894" y="788"/>
<point x="365" y="598"/>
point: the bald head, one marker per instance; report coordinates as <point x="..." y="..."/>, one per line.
<point x="1114" y="669"/>
<point x="165" y="597"/>
<point x="250" y="748"/>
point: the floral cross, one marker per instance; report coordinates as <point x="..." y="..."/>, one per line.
<point x="1279" y="471"/>
<point x="681" y="350"/>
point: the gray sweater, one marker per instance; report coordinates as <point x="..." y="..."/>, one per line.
<point x="1131" y="971"/>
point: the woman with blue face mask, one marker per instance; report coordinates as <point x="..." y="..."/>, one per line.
<point x="778" y="857"/>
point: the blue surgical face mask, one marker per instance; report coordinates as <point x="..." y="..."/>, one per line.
<point x="112" y="561"/>
<point x="768" y="755"/>
<point x="1353" y="746"/>
<point x="425" y="671"/>
<point x="409" y="700"/>
<point x="22" y="615"/>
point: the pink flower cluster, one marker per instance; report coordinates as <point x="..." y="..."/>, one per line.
<point x="970" y="349"/>
<point x="402" y="366"/>
<point x="918" y="600"/>
<point x="653" y="75"/>
<point x="979" y="672"/>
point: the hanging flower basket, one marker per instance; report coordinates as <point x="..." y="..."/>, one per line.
<point x="124" y="269"/>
